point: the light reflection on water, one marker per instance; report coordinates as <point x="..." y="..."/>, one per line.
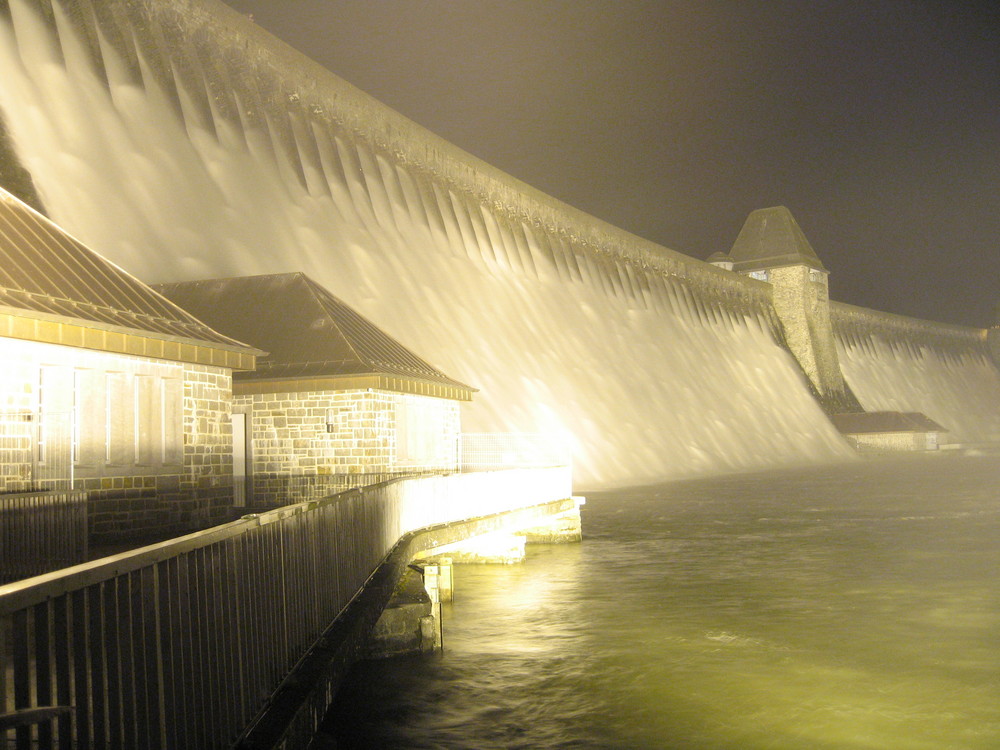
<point x="849" y="607"/>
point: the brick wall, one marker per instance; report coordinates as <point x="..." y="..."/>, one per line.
<point x="303" y="443"/>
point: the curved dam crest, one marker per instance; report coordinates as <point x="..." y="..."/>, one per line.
<point x="183" y="142"/>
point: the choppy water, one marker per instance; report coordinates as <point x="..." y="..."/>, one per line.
<point x="855" y="607"/>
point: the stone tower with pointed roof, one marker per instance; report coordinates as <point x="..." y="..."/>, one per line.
<point x="771" y="247"/>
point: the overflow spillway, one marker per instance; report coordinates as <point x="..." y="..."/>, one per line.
<point x="183" y="142"/>
<point x="896" y="363"/>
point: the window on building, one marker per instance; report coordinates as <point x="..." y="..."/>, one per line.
<point x="110" y="422"/>
<point x="171" y="419"/>
<point x="55" y="435"/>
<point x="89" y="418"/>
<point x="148" y="448"/>
<point x="120" y="427"/>
<point x="420" y="432"/>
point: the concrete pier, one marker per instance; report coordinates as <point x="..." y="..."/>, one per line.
<point x="506" y="545"/>
<point x="564" y="528"/>
<point x="407" y="625"/>
<point x="495" y="548"/>
<point x="411" y="622"/>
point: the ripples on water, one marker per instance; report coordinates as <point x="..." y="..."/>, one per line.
<point x="846" y="607"/>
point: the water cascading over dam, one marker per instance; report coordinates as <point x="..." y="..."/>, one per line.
<point x="182" y="142"/>
<point x="896" y="363"/>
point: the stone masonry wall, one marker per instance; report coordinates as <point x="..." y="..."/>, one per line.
<point x="17" y="408"/>
<point x="208" y="446"/>
<point x="801" y="300"/>
<point x="304" y="443"/>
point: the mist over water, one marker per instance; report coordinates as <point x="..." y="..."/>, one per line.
<point x="181" y="142"/>
<point x="853" y="607"/>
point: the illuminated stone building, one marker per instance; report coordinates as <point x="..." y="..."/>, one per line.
<point x="336" y="402"/>
<point x="108" y="387"/>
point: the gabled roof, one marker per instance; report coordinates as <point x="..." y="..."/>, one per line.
<point x="314" y="340"/>
<point x="771" y="237"/>
<point x="884" y="421"/>
<point x="69" y="294"/>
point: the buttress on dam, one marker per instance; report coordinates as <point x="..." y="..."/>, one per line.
<point x="182" y="142"/>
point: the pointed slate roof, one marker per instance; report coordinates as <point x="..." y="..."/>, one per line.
<point x="315" y="341"/>
<point x="771" y="237"/>
<point x="55" y="289"/>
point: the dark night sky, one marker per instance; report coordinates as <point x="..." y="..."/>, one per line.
<point x="877" y="123"/>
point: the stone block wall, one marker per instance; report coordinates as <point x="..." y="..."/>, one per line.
<point x="206" y="489"/>
<point x="304" y="443"/>
<point x="17" y="412"/>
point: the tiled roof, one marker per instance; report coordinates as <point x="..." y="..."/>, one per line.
<point x="45" y="271"/>
<point x="884" y="421"/>
<point x="771" y="237"/>
<point x="307" y="332"/>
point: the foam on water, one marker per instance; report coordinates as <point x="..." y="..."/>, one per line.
<point x="182" y="142"/>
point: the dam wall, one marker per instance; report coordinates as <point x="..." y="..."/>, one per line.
<point x="181" y="141"/>
<point x="897" y="363"/>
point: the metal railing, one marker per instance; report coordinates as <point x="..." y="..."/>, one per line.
<point x="487" y="451"/>
<point x="179" y="644"/>
<point x="492" y="451"/>
<point x="275" y="490"/>
<point x="41" y="531"/>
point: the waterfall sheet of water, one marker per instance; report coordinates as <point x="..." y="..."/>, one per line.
<point x="902" y="364"/>
<point x="180" y="141"/>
